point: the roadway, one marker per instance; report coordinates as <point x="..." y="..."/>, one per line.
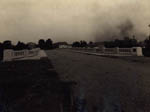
<point x="102" y="78"/>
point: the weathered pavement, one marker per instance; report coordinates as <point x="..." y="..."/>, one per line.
<point x="101" y="78"/>
<point x="29" y="86"/>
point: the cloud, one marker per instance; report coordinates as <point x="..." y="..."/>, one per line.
<point x="69" y="20"/>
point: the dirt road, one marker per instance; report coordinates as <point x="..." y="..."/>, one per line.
<point x="100" y="78"/>
<point x="29" y="86"/>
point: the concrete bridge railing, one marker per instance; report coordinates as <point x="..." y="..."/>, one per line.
<point x="9" y="54"/>
<point x="134" y="51"/>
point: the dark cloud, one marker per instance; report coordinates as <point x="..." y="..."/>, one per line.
<point x="69" y="20"/>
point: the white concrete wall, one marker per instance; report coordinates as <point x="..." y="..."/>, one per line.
<point x="63" y="46"/>
<point x="10" y="55"/>
<point x="125" y="51"/>
<point x="7" y="55"/>
<point x="135" y="51"/>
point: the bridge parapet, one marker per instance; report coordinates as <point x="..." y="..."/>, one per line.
<point x="134" y="51"/>
<point x="10" y="54"/>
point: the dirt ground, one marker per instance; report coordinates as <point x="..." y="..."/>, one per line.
<point x="30" y="86"/>
<point x="101" y="78"/>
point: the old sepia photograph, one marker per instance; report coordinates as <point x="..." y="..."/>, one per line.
<point x="74" y="55"/>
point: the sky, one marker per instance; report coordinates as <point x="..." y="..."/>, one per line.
<point x="73" y="20"/>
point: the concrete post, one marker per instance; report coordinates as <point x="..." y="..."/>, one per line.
<point x="8" y="55"/>
<point x="103" y="49"/>
<point x="137" y="51"/>
<point x="117" y="50"/>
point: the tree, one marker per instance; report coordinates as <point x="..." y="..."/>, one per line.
<point x="7" y="44"/>
<point x="83" y="43"/>
<point x="76" y="44"/>
<point x="1" y="51"/>
<point x="125" y="43"/>
<point x="49" y="44"/>
<point x="146" y="50"/>
<point x="20" y="46"/>
<point x="91" y="44"/>
<point x="41" y="43"/>
<point x="147" y="43"/>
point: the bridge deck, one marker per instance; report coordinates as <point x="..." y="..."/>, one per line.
<point x="30" y="86"/>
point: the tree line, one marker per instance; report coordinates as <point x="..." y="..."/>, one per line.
<point x="43" y="44"/>
<point x="126" y="42"/>
<point x="48" y="44"/>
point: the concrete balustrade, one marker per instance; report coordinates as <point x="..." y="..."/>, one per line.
<point x="10" y="55"/>
<point x="134" y="51"/>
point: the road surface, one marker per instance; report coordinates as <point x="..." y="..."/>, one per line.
<point x="101" y="78"/>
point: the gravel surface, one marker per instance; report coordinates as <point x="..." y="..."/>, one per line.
<point x="100" y="78"/>
<point x="29" y="86"/>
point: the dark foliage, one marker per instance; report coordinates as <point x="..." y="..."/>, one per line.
<point x="91" y="44"/>
<point x="7" y="44"/>
<point x="146" y="50"/>
<point x="147" y="43"/>
<point x="48" y="44"/>
<point x="20" y="46"/>
<point x="76" y="44"/>
<point x="41" y="43"/>
<point x="125" y="43"/>
<point x="1" y="51"/>
<point x="82" y="43"/>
